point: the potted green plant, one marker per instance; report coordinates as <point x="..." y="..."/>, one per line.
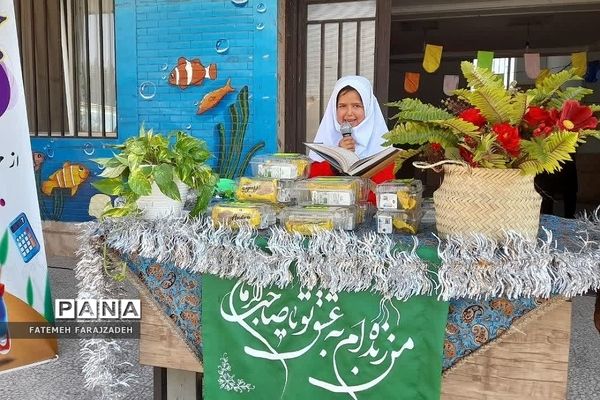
<point x="153" y="172"/>
<point x="502" y="137"/>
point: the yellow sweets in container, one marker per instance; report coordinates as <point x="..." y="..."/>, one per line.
<point x="398" y="221"/>
<point x="256" y="215"/>
<point x="331" y="191"/>
<point x="399" y="194"/>
<point x="281" y="166"/>
<point x="308" y="220"/>
<point x="265" y="190"/>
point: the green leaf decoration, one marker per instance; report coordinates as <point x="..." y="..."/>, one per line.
<point x="459" y="126"/>
<point x="29" y="292"/>
<point x="594" y="107"/>
<point x="139" y="183"/>
<point x="495" y="104"/>
<point x="415" y="110"/>
<point x="570" y="93"/>
<point x="548" y="154"/>
<point x="589" y="132"/>
<point x="163" y="174"/>
<point x="48" y="303"/>
<point x="405" y="155"/>
<point x="109" y="186"/>
<point x="4" y="248"/>
<point x="545" y="89"/>
<point x="113" y="172"/>
<point x="478" y="78"/>
<point x="411" y="133"/>
<point x="489" y="154"/>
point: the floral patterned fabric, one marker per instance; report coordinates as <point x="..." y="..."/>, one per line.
<point x="473" y="323"/>
<point x="178" y="292"/>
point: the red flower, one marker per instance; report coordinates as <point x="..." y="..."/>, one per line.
<point x="508" y="137"/>
<point x="473" y="116"/>
<point x="536" y="116"/>
<point x="574" y="117"/>
<point x="467" y="156"/>
<point x="436" y="147"/>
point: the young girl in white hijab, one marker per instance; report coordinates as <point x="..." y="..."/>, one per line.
<point x="352" y="101"/>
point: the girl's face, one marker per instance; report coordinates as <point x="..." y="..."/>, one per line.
<point x="350" y="108"/>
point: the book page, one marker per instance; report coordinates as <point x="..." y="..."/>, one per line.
<point x="344" y="159"/>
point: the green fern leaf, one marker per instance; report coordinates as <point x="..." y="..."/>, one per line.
<point x="570" y="93"/>
<point x="583" y="134"/>
<point x="488" y="154"/>
<point x="411" y="133"/>
<point x="459" y="126"/>
<point x="495" y="104"/>
<point x="594" y="107"/>
<point x="478" y="78"/>
<point x="547" y="88"/>
<point x="415" y="110"/>
<point x="548" y="154"/>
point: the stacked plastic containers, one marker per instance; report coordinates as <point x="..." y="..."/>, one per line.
<point x="399" y="206"/>
<point x="326" y="203"/>
<point x="263" y="195"/>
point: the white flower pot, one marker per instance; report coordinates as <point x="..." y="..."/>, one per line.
<point x="157" y="205"/>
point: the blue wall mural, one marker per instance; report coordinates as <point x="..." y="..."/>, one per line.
<point x="207" y="67"/>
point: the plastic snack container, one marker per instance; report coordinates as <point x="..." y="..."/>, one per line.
<point x="281" y="166"/>
<point x="399" y="194"/>
<point x="398" y="221"/>
<point x="307" y="220"/>
<point x="267" y="190"/>
<point x="331" y="191"/>
<point x="257" y="215"/>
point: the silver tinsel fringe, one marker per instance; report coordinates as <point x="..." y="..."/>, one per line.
<point x="103" y="369"/>
<point x="336" y="261"/>
<point x="472" y="266"/>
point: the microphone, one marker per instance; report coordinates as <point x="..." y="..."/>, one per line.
<point x="346" y="129"/>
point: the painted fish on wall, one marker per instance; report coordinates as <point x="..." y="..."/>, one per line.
<point x="188" y="73"/>
<point x="38" y="160"/>
<point x="70" y="176"/>
<point x="213" y="98"/>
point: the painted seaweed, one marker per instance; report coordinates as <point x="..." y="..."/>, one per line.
<point x="229" y="165"/>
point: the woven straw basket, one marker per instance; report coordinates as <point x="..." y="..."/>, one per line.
<point x="487" y="201"/>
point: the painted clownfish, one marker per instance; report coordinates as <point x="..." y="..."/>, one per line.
<point x="188" y="73"/>
<point x="70" y="176"/>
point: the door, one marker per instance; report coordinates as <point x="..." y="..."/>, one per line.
<point x="325" y="41"/>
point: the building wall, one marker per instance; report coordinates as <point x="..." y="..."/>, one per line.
<point x="239" y="37"/>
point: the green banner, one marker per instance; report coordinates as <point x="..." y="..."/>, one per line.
<point x="294" y="343"/>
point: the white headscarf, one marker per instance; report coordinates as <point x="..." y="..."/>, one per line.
<point x="367" y="134"/>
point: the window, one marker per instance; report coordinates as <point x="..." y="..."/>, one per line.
<point x="68" y="64"/>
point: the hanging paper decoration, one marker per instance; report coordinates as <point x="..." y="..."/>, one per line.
<point x="543" y="73"/>
<point x="411" y="81"/>
<point x="593" y="69"/>
<point x="484" y="59"/>
<point x="579" y="62"/>
<point x="532" y="64"/>
<point x="432" y="58"/>
<point x="450" y="84"/>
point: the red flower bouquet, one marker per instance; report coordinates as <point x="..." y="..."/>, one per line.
<point x="535" y="130"/>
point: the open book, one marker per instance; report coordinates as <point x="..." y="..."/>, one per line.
<point x="347" y="161"/>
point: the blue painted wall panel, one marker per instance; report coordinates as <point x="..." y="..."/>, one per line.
<point x="150" y="36"/>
